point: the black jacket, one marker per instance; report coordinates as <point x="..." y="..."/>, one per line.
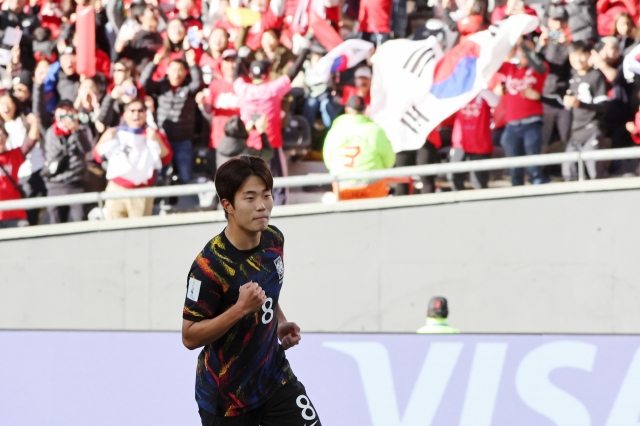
<point x="75" y="146"/>
<point x="176" y="114"/>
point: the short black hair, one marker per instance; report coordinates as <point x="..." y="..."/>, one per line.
<point x="579" y="46"/>
<point x="181" y="62"/>
<point x="232" y="175"/>
<point x="128" y="106"/>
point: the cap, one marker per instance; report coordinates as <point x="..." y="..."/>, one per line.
<point x="235" y="128"/>
<point x="229" y="54"/>
<point x="363" y="72"/>
<point x="259" y="68"/>
<point x="558" y="13"/>
<point x="69" y="50"/>
<point x="438" y="307"/>
<point x="25" y="78"/>
<point x="357" y="103"/>
<point x="65" y="103"/>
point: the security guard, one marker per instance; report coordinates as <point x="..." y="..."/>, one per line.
<point x="437" y="314"/>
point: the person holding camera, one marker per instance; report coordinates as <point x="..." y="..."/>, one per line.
<point x="65" y="146"/>
<point x="553" y="46"/>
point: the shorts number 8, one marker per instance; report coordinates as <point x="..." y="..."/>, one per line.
<point x="306" y="407"/>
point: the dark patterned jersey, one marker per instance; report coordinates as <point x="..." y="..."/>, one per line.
<point x="243" y="369"/>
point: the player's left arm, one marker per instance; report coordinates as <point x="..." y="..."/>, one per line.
<point x="288" y="332"/>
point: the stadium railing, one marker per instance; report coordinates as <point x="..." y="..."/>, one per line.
<point x="324" y="179"/>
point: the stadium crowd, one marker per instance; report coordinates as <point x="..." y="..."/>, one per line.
<point x="129" y="94"/>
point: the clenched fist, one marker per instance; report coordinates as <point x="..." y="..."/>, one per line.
<point x="251" y="298"/>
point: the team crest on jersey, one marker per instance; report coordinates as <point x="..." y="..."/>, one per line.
<point x="279" y="267"/>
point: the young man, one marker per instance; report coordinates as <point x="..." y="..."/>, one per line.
<point x="231" y="308"/>
<point x="587" y="98"/>
<point x="176" y="95"/>
<point x="133" y="153"/>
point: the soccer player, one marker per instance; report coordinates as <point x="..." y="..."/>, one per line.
<point x="243" y="377"/>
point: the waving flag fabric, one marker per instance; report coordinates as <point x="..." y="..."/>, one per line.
<point x="415" y="87"/>
<point x="631" y="63"/>
<point x="346" y="55"/>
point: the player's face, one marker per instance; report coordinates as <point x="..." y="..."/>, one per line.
<point x="252" y="205"/>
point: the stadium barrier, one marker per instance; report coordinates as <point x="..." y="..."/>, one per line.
<point x="129" y="378"/>
<point x="324" y="179"/>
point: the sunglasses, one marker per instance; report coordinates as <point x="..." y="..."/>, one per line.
<point x="69" y="116"/>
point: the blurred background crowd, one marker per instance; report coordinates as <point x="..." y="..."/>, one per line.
<point x="130" y="94"/>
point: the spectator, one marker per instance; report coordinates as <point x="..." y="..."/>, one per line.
<point x="471" y="138"/>
<point x="88" y="106"/>
<point x="582" y="20"/>
<point x="16" y="126"/>
<point x="212" y="58"/>
<point x="11" y="160"/>
<point x="176" y="95"/>
<point x="113" y="104"/>
<point x="140" y="41"/>
<point x="265" y="97"/>
<point x="588" y="100"/>
<point x="61" y="83"/>
<point x="511" y="7"/>
<point x="374" y="20"/>
<point x="477" y="19"/>
<point x="624" y="29"/>
<point x="66" y="146"/>
<point x="362" y="86"/>
<point x="437" y="314"/>
<point x="176" y="44"/>
<point x="281" y="58"/>
<point x="357" y="144"/>
<point x="522" y="91"/>
<point x="606" y="57"/>
<point x="554" y="49"/>
<point x="234" y="141"/>
<point x="133" y="153"/>
<point x="221" y="100"/>
<point x="21" y="87"/>
<point x="320" y="99"/>
<point x="14" y="16"/>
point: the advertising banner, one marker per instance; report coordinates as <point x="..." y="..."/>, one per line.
<point x="132" y="378"/>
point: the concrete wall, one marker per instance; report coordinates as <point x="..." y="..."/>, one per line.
<point x="564" y="264"/>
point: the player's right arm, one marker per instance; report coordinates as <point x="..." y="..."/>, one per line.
<point x="202" y="333"/>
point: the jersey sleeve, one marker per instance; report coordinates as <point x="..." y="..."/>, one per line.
<point x="203" y="292"/>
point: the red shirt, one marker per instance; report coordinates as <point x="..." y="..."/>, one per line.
<point x="472" y="128"/>
<point x="11" y="161"/>
<point x="225" y="104"/>
<point x="375" y="16"/>
<point x="517" y="79"/>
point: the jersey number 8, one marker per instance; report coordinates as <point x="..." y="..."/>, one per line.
<point x="267" y="308"/>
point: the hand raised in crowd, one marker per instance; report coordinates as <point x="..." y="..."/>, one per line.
<point x="531" y="94"/>
<point x="190" y="56"/>
<point x="40" y="73"/>
<point x="200" y="98"/>
<point x="543" y="40"/>
<point x="15" y="54"/>
<point x="160" y="56"/>
<point x="261" y="124"/>
<point x="631" y="127"/>
<point x="570" y="101"/>
<point x="251" y="298"/>
<point x="32" y="120"/>
<point x="117" y="92"/>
